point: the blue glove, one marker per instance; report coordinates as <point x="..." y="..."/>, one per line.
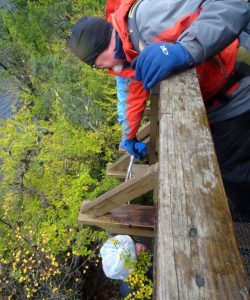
<point x="134" y="147"/>
<point x="159" y="60"/>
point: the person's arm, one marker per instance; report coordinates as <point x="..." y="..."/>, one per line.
<point x="122" y="95"/>
<point x="133" y="112"/>
<point x="133" y="109"/>
<point x="219" y="23"/>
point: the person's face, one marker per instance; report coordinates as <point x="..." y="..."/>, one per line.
<point x="106" y="59"/>
<point x="139" y="248"/>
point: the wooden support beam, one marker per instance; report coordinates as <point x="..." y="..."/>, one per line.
<point x="154" y="133"/>
<point x="137" y="170"/>
<point x="147" y="112"/>
<point x="127" y="219"/>
<point x="120" y="165"/>
<point x="197" y="256"/>
<point x="153" y="147"/>
<point x="143" y="132"/>
<point x="123" y="193"/>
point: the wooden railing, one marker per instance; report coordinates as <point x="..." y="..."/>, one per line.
<point x="196" y="253"/>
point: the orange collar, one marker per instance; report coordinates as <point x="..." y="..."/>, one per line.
<point x="119" y="21"/>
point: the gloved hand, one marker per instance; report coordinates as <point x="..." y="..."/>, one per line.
<point x="134" y="147"/>
<point x="159" y="60"/>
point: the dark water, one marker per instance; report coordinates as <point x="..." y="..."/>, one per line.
<point x="6" y="97"/>
<point x="6" y="102"/>
<point x="5" y="4"/>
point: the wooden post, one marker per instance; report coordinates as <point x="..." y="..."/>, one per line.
<point x="197" y="256"/>
<point x="154" y="132"/>
<point x="153" y="147"/>
<point x="147" y="112"/>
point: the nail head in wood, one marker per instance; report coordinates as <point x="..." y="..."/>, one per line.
<point x="200" y="281"/>
<point x="193" y="232"/>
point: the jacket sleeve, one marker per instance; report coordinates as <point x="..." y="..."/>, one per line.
<point x="122" y="95"/>
<point x="133" y="109"/>
<point x="219" y="23"/>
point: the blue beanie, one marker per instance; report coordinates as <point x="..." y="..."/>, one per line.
<point x="90" y="37"/>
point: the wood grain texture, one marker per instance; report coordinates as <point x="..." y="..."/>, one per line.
<point x="129" y="219"/>
<point x="197" y="256"/>
<point x="123" y="193"/>
<point x="137" y="170"/>
<point x="147" y="112"/>
<point x="143" y="132"/>
<point x="153" y="147"/>
<point x="154" y="132"/>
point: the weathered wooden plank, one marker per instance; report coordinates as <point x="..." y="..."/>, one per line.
<point x="121" y="164"/>
<point x="154" y="132"/>
<point x="127" y="219"/>
<point x="197" y="256"/>
<point x="123" y="193"/>
<point x="137" y="170"/>
<point x="147" y="112"/>
<point x="143" y="132"/>
<point x="153" y="147"/>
